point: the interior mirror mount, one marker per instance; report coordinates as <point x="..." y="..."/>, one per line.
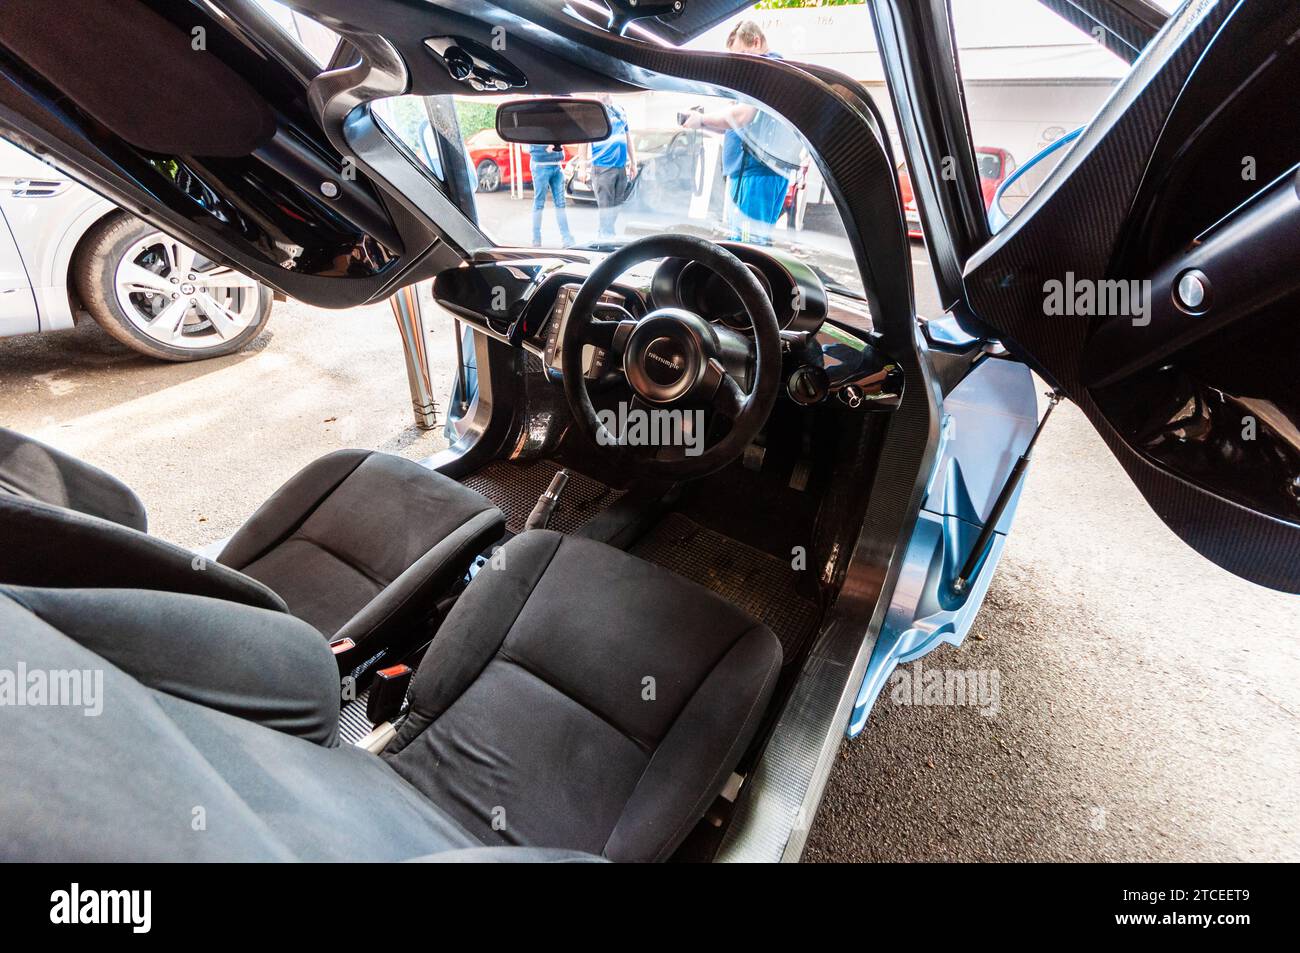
<point x="553" y="122"/>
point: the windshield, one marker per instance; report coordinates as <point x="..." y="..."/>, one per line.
<point x="701" y="165"/>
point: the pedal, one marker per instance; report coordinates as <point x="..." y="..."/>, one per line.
<point x="800" y="475"/>
<point x="754" y="457"/>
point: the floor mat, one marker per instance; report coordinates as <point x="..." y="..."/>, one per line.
<point x="762" y="585"/>
<point x="515" y="488"/>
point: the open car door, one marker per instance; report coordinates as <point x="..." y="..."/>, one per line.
<point x="245" y="152"/>
<point x="1154" y="277"/>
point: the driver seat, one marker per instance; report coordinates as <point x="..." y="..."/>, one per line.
<point x="576" y="703"/>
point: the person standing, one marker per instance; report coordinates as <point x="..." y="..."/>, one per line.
<point x="760" y="152"/>
<point x="613" y="166"/>
<point x="547" y="164"/>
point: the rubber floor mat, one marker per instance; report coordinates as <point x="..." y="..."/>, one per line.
<point x="515" y="489"/>
<point x="762" y="585"/>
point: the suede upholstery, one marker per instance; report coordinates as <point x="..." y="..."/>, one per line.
<point x="532" y="718"/>
<point x="262" y="771"/>
<point x="47" y="545"/>
<point x="358" y="544"/>
<point x="531" y="699"/>
<point x="261" y="666"/>
<point x="32" y="470"/>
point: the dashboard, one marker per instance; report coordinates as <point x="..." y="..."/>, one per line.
<point x="829" y="349"/>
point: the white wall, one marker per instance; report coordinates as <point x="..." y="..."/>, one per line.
<point x="1029" y="75"/>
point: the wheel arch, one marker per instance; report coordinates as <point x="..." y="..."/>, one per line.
<point x="58" y="311"/>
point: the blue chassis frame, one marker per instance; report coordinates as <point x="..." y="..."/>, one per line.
<point x="987" y="422"/>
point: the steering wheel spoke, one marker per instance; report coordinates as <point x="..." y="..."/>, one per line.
<point x="728" y="400"/>
<point x="610" y="336"/>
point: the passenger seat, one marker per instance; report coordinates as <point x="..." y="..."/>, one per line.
<point x="359" y="544"/>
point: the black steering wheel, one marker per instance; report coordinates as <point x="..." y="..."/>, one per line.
<point x="672" y="358"/>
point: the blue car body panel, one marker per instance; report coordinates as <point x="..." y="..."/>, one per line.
<point x="988" y="420"/>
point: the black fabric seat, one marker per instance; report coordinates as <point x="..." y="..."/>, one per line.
<point x="580" y="697"/>
<point x="534" y="733"/>
<point x="359" y="544"/>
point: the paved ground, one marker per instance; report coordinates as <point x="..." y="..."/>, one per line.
<point x="1149" y="703"/>
<point x="204" y="443"/>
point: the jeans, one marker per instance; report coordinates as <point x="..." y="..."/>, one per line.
<point x="548" y="177"/>
<point x="610" y="185"/>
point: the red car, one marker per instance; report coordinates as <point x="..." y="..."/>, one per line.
<point x="490" y="155"/>
<point x="995" y="166"/>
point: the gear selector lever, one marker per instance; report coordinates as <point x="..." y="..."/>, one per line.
<point x="546" y="503"/>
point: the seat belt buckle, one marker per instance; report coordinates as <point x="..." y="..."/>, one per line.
<point x="387" y="692"/>
<point x="344" y="654"/>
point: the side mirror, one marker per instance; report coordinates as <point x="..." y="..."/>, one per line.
<point x="553" y="122"/>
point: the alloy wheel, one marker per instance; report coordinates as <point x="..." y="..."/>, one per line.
<point x="180" y="298"/>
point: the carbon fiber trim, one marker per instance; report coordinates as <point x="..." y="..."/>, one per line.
<point x="1129" y="25"/>
<point x="1073" y="224"/>
<point x="353" y="723"/>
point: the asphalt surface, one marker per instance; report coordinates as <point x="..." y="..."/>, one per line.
<point x="205" y="443"/>
<point x="1148" y="706"/>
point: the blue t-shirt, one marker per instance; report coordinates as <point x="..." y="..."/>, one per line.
<point x="612" y="152"/>
<point x="545" y="155"/>
<point x="733" y="144"/>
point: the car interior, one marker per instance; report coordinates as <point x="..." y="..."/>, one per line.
<point x="551" y="641"/>
<point x="598" y="688"/>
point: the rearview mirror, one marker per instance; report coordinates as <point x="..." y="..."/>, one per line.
<point x="552" y="122"/>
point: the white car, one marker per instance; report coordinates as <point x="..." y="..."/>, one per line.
<point x="63" y="249"/>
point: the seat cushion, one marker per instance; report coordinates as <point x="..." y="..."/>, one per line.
<point x="187" y="728"/>
<point x="358" y="541"/>
<point x="577" y="697"/>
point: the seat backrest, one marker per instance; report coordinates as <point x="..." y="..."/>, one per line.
<point x="66" y="523"/>
<point x="31" y="470"/>
<point x="138" y="725"/>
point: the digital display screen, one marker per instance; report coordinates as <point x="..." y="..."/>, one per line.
<point x="554" y="352"/>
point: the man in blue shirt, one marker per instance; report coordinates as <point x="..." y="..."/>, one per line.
<point x="760" y="151"/>
<point x="613" y="166"/>
<point x="548" y="176"/>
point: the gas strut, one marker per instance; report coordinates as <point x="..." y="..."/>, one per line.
<point x="981" y="549"/>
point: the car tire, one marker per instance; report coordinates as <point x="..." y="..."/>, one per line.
<point x="489" y="176"/>
<point x="133" y="280"/>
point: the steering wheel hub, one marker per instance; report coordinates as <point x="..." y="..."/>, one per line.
<point x="665" y="362"/>
<point x="667" y="354"/>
